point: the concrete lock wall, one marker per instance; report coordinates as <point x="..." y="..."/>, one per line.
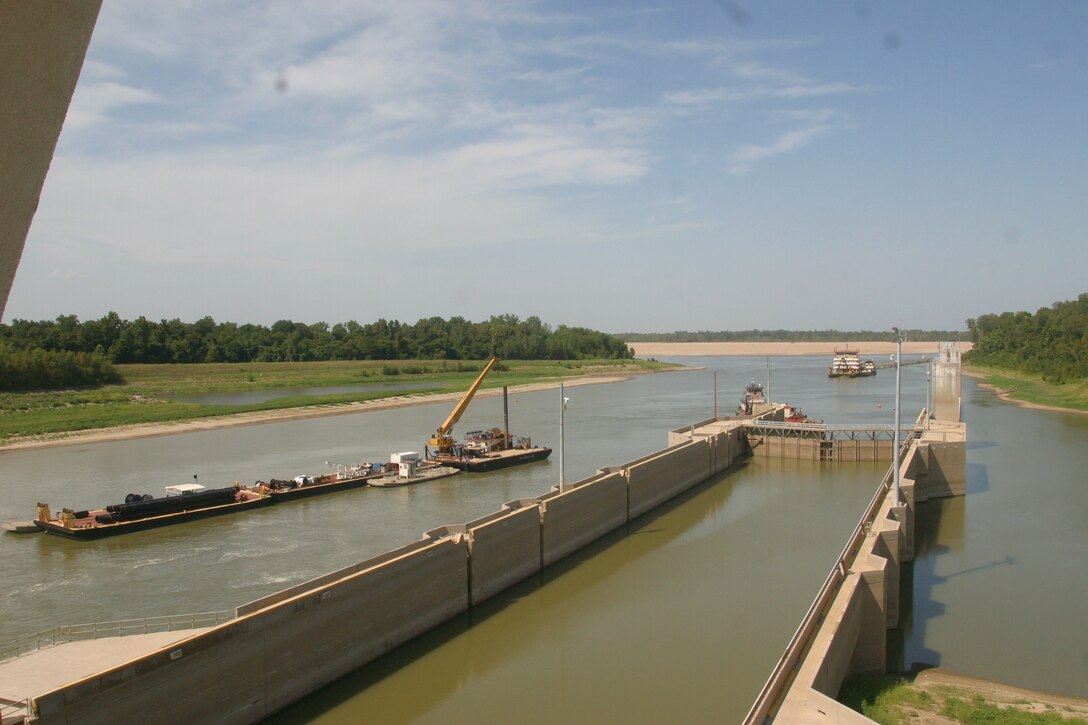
<point x="656" y="478"/>
<point x="947" y="467"/>
<point x="504" y="548"/>
<point x="250" y="667"/>
<point x="726" y="447"/>
<point x="851" y="638"/>
<point x="581" y="514"/>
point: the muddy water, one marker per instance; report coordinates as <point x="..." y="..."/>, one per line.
<point x="680" y="618"/>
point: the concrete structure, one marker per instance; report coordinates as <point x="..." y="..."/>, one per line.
<point x="279" y="648"/>
<point x="42" y="46"/>
<point x="820" y="442"/>
<point x="844" y="631"/>
<point x="946" y="383"/>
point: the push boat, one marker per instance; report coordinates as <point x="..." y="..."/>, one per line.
<point x="753" y="396"/>
<point x="847" y="364"/>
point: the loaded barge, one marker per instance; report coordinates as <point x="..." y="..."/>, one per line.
<point x="186" y="502"/>
<point x="191" y="501"/>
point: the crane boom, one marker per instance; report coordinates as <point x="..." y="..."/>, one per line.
<point x="442" y="439"/>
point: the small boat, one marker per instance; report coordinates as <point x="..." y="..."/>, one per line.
<point x="21" y="527"/>
<point x="184" y="502"/>
<point x="409" y="469"/>
<point x="795" y="415"/>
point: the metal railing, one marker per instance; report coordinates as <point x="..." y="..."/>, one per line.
<point x="119" y="628"/>
<point x="14" y="710"/>
<point x="770" y="697"/>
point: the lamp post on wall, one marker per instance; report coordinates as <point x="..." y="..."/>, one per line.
<point x="895" y="458"/>
<point x="562" y="409"/>
<point x="929" y="390"/>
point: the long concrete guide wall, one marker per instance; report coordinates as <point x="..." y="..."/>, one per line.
<point x="284" y="646"/>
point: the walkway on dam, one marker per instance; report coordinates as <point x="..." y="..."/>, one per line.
<point x="47" y="669"/>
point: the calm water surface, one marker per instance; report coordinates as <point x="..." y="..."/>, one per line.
<point x="680" y="618"/>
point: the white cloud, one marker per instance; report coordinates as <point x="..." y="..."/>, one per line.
<point x="740" y="162"/>
<point x="93" y="103"/>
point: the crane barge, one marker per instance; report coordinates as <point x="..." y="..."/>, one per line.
<point x="483" y="450"/>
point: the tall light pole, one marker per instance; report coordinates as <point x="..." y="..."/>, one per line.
<point x="929" y="389"/>
<point x="895" y="459"/>
<point x="562" y="409"/>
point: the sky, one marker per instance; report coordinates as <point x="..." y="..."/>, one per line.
<point x="626" y="166"/>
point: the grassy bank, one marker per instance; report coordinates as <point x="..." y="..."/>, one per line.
<point x="898" y="701"/>
<point x="1032" y="389"/>
<point x="146" y="394"/>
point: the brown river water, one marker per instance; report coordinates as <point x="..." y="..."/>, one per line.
<point x="678" y="618"/>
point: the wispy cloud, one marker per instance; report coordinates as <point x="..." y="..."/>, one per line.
<point x="741" y="160"/>
<point x="93" y="103"/>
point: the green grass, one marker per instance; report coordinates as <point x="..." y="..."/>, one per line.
<point x="144" y="396"/>
<point x="887" y="700"/>
<point x="975" y="709"/>
<point x="1032" y="388"/>
<point x="896" y="701"/>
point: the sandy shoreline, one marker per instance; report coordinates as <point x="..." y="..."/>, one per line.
<point x="675" y="349"/>
<point x="147" y="430"/>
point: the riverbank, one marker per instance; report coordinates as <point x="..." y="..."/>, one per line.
<point x="1031" y="392"/>
<point x="936" y="696"/>
<point x="147" y="430"/>
<point x="679" y="349"/>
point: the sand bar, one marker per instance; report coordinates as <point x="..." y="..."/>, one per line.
<point x="676" y="349"/>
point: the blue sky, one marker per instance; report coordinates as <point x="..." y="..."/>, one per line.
<point x="631" y="166"/>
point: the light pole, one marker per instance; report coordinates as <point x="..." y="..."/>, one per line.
<point x="562" y="409"/>
<point x="929" y="389"/>
<point x="895" y="459"/>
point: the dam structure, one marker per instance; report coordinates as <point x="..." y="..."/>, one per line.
<point x="250" y="662"/>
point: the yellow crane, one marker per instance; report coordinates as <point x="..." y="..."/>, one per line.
<point x="442" y="440"/>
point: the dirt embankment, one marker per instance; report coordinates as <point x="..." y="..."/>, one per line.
<point x="673" y="349"/>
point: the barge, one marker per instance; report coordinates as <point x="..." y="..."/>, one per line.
<point x="409" y="469"/>
<point x="186" y="502"/>
<point x="483" y="450"/>
<point x="191" y="501"/>
<point x="343" y="479"/>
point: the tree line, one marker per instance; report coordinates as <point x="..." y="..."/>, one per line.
<point x="791" y="336"/>
<point x="1052" y="343"/>
<point x="207" y="341"/>
<point x="52" y="370"/>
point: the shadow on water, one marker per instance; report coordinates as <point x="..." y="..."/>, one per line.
<point x="443" y="682"/>
<point x="939" y="520"/>
<point x="978" y="479"/>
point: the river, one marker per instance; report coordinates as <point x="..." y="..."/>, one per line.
<point x="680" y="618"/>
